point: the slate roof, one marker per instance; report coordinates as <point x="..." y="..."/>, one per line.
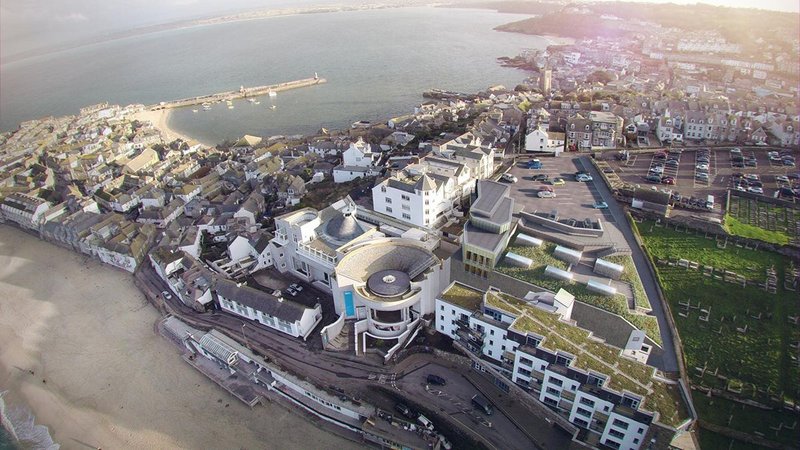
<point x="261" y="301"/>
<point x="490" y="196"/>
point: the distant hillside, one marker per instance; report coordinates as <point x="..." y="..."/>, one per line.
<point x="737" y="25"/>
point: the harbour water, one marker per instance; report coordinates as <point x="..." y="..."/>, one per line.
<point x="377" y="64"/>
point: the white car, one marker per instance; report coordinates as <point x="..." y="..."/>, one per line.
<point x="752" y="176"/>
<point x="755" y="190"/>
<point x="657" y="169"/>
<point x="296" y="287"/>
<point x="702" y="166"/>
<point x="546" y="194"/>
<point x="782" y="179"/>
<point x="702" y="175"/>
<point x="508" y="177"/>
<point x="583" y="178"/>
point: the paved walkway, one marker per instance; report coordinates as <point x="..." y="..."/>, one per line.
<point x="669" y="361"/>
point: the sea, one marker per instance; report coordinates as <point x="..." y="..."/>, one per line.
<point x="377" y="63"/>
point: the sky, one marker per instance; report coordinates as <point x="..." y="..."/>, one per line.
<point x="34" y="24"/>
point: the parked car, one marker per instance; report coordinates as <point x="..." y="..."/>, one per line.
<point x="702" y="166"/>
<point x="701" y="175"/>
<point x="782" y="179"/>
<point x="657" y="169"/>
<point x="755" y="190"/>
<point x="545" y="194"/>
<point x="668" y="180"/>
<point x="296" y="287"/>
<point x="508" y="177"/>
<point x="291" y="292"/>
<point x="540" y="177"/>
<point x="583" y="178"/>
<point x="404" y="410"/>
<point x="653" y="178"/>
<point x="750" y="162"/>
<point x="166" y="295"/>
<point x="436" y="379"/>
<point x="752" y="176"/>
<point x="535" y="164"/>
<point x="482" y="404"/>
<point x="558" y="182"/>
<point x="788" y="163"/>
<point x="600" y="205"/>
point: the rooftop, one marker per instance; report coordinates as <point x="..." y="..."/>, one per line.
<point x="463" y="296"/>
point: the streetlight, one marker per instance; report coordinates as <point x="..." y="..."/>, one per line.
<point x="246" y="342"/>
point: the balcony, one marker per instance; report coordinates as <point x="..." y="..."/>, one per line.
<point x="316" y="254"/>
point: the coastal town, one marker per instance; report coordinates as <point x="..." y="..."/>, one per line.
<point x="491" y="270"/>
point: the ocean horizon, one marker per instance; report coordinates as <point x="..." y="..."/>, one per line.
<point x="377" y="64"/>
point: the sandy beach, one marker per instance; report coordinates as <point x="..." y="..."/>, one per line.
<point x="160" y="120"/>
<point x="79" y="349"/>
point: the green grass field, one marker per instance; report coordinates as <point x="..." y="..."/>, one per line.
<point x="755" y="219"/>
<point x="738" y="228"/>
<point x="757" y="362"/>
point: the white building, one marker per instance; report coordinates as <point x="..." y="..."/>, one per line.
<point x="540" y="140"/>
<point x="26" y="210"/>
<point x="359" y="160"/>
<point x="306" y="241"/>
<point x="418" y="200"/>
<point x="387" y="285"/>
<point x="274" y="312"/>
<point x="515" y="338"/>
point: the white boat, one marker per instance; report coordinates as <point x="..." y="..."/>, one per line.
<point x="273" y="107"/>
<point x="194" y="110"/>
<point x="206" y="106"/>
<point x="230" y="106"/>
<point x="251" y="100"/>
<point x="273" y="93"/>
<point x="256" y="103"/>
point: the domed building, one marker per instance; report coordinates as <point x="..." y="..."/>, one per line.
<point x="387" y="284"/>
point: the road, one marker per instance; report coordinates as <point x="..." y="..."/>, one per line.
<point x="669" y="362"/>
<point x="353" y="375"/>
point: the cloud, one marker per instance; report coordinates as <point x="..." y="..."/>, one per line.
<point x="72" y="17"/>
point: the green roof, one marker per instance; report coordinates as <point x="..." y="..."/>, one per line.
<point x="624" y="374"/>
<point x="463" y="296"/>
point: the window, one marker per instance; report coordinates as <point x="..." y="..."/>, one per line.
<point x="581" y="423"/>
<point x="405" y="197"/>
<point x="636" y="440"/>
<point x="441" y="317"/>
<point x="405" y="208"/>
<point x="388" y="209"/>
<point x="583" y="412"/>
<point x="491" y="342"/>
<point x="616" y="434"/>
<point x="525" y="361"/>
<point x="612" y="443"/>
<point x="491" y="332"/>
<point x="406" y="216"/>
<point x="641" y="430"/>
<point x="621" y="424"/>
<point x="490" y="352"/>
<point x="555" y="381"/>
<point x="388" y="200"/>
<point x="587" y="402"/>
<point x="383" y="188"/>
<point x="552" y="391"/>
<point x="441" y="307"/>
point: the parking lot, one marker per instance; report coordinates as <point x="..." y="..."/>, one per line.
<point x="681" y="171"/>
<point x="573" y="199"/>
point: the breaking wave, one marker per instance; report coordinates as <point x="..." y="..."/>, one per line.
<point x="21" y="425"/>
